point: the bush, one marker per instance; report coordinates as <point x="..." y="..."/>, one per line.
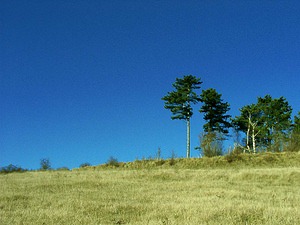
<point x="85" y="165"/>
<point x="211" y="144"/>
<point x="159" y="162"/>
<point x="112" y="162"/>
<point x="11" y="168"/>
<point x="63" y="168"/>
<point x="233" y="156"/>
<point x="45" y="164"/>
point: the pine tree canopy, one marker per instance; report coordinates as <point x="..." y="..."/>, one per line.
<point x="179" y="101"/>
<point x="214" y="110"/>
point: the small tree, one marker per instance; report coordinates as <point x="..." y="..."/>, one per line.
<point x="45" y="164"/>
<point x="180" y="102"/>
<point x="211" y="144"/>
<point x="250" y="122"/>
<point x="112" y="161"/>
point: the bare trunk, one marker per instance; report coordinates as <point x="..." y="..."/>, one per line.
<point x="253" y="139"/>
<point x="248" y="131"/>
<point x="188" y="141"/>
<point x="253" y="134"/>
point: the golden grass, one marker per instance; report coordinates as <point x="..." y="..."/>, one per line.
<point x="153" y="196"/>
<point x="261" y="160"/>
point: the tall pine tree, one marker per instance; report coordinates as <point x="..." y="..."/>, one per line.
<point x="180" y="101"/>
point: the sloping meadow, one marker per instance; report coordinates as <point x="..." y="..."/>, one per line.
<point x="170" y="195"/>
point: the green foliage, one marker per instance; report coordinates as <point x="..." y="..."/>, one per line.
<point x="160" y="162"/>
<point x="235" y="155"/>
<point x="45" y="164"/>
<point x="268" y="121"/>
<point x="214" y="110"/>
<point x="293" y="144"/>
<point x="64" y="168"/>
<point x="211" y="144"/>
<point x="249" y="112"/>
<point x="296" y="125"/>
<point x="180" y="100"/>
<point x="232" y="157"/>
<point x="11" y="169"/>
<point x="112" y="162"/>
<point x="276" y="117"/>
<point x="86" y="164"/>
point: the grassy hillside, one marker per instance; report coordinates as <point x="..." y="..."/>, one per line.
<point x="165" y="194"/>
<point x="262" y="160"/>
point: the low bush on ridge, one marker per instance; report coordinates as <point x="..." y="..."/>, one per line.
<point x="11" y="169"/>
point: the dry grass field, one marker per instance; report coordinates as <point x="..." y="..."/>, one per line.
<point x="152" y="196"/>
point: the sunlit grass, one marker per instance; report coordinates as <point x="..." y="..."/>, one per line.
<point x="152" y="196"/>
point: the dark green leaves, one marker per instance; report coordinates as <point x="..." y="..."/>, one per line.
<point x="214" y="110"/>
<point x="296" y="125"/>
<point x="272" y="118"/>
<point x="179" y="101"/>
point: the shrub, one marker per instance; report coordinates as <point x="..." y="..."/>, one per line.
<point x="85" y="165"/>
<point x="45" y="164"/>
<point x="233" y="156"/>
<point x="211" y="144"/>
<point x="63" y="168"/>
<point x="160" y="162"/>
<point x="269" y="157"/>
<point x="11" y="168"/>
<point x="112" y="162"/>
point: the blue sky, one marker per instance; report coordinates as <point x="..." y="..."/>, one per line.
<point x="82" y="80"/>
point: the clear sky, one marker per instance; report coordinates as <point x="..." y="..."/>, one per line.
<point x="82" y="80"/>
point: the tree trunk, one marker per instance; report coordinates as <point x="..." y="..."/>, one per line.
<point x="253" y="139"/>
<point x="248" y="131"/>
<point x="188" y="141"/>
